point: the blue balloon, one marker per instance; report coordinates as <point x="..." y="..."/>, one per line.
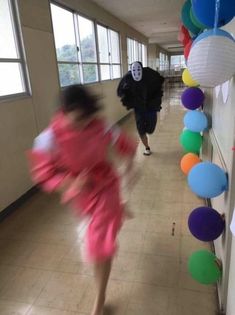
<point x="207" y="180"/>
<point x="204" y="11"/>
<point x="195" y="121"/>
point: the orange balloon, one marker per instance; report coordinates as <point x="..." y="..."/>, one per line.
<point x="188" y="161"/>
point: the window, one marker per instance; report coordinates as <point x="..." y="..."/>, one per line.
<point x="88" y="50"/>
<point x="12" y="66"/>
<point x="109" y="53"/>
<point x="136" y="52"/>
<point x="163" y="62"/>
<point x="178" y="62"/>
<point x="76" y="48"/>
<point x="66" y="46"/>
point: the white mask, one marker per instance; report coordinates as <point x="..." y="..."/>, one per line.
<point x="136" y="71"/>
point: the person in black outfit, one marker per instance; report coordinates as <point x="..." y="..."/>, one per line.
<point x="141" y="89"/>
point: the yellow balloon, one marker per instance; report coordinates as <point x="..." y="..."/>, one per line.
<point x="188" y="80"/>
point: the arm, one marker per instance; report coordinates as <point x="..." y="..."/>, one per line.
<point x="44" y="167"/>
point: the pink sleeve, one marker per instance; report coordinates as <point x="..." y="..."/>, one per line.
<point x="43" y="166"/>
<point x="124" y="144"/>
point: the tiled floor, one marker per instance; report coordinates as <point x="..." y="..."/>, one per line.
<point x="41" y="272"/>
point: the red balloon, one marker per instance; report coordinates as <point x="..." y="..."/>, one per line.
<point x="187" y="49"/>
<point x="184" y="36"/>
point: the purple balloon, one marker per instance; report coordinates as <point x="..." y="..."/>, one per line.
<point x="206" y="224"/>
<point x="192" y="98"/>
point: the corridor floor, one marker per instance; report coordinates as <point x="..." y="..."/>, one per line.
<point x="41" y="272"/>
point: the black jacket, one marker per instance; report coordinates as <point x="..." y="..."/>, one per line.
<point x="145" y="94"/>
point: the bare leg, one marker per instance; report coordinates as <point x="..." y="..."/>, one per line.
<point x="102" y="272"/>
<point x="144" y="140"/>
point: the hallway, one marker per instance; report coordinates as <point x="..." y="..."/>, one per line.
<point x="41" y="272"/>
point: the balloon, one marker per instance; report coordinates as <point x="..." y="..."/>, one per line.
<point x="184" y="36"/>
<point x="204" y="11"/>
<point x="203" y="267"/>
<point x="207" y="180"/>
<point x="192" y="98"/>
<point x="206" y="224"/>
<point x="211" y="59"/>
<point x="188" y="161"/>
<point x="186" y="19"/>
<point x="187" y="49"/>
<point x="195" y="20"/>
<point x="188" y="80"/>
<point x="191" y="141"/>
<point x="195" y="121"/>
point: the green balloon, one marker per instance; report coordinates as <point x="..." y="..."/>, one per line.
<point x="191" y="141"/>
<point x="186" y="19"/>
<point x="203" y="267"/>
<point x="195" y="21"/>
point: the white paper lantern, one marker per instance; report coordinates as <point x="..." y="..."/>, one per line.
<point x="212" y="58"/>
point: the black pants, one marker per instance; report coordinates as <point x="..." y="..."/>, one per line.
<point x="146" y="121"/>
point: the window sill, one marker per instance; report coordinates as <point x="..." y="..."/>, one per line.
<point x="14" y="97"/>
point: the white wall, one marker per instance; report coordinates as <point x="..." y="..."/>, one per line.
<point x="218" y="148"/>
<point x="22" y="119"/>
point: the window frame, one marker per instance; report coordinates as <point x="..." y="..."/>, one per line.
<point x="136" y="48"/>
<point x="21" y="60"/>
<point x="80" y="63"/>
<point x="110" y="64"/>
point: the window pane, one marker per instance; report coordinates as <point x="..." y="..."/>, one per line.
<point x="69" y="74"/>
<point x="90" y="73"/>
<point x="116" y="71"/>
<point x="144" y="55"/>
<point x="87" y="39"/>
<point x="64" y="34"/>
<point x="8" y="48"/>
<point x="139" y="52"/>
<point x="105" y="72"/>
<point x="115" y="48"/>
<point x="11" y="78"/>
<point x="129" y="50"/>
<point x="103" y="44"/>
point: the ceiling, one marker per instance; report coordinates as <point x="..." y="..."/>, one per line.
<point x="156" y="19"/>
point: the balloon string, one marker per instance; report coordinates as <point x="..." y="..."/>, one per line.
<point x="217" y="8"/>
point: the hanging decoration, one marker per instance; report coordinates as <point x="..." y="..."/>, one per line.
<point x="211" y="59"/>
<point x="196" y="21"/>
<point x="205" y="11"/>
<point x="186" y="18"/>
<point x="184" y="36"/>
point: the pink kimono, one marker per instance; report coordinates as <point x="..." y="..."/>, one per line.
<point x="62" y="151"/>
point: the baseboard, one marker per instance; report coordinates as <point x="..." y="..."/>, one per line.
<point x="123" y="119"/>
<point x="18" y="203"/>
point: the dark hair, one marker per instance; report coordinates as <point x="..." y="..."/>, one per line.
<point x="78" y="97"/>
